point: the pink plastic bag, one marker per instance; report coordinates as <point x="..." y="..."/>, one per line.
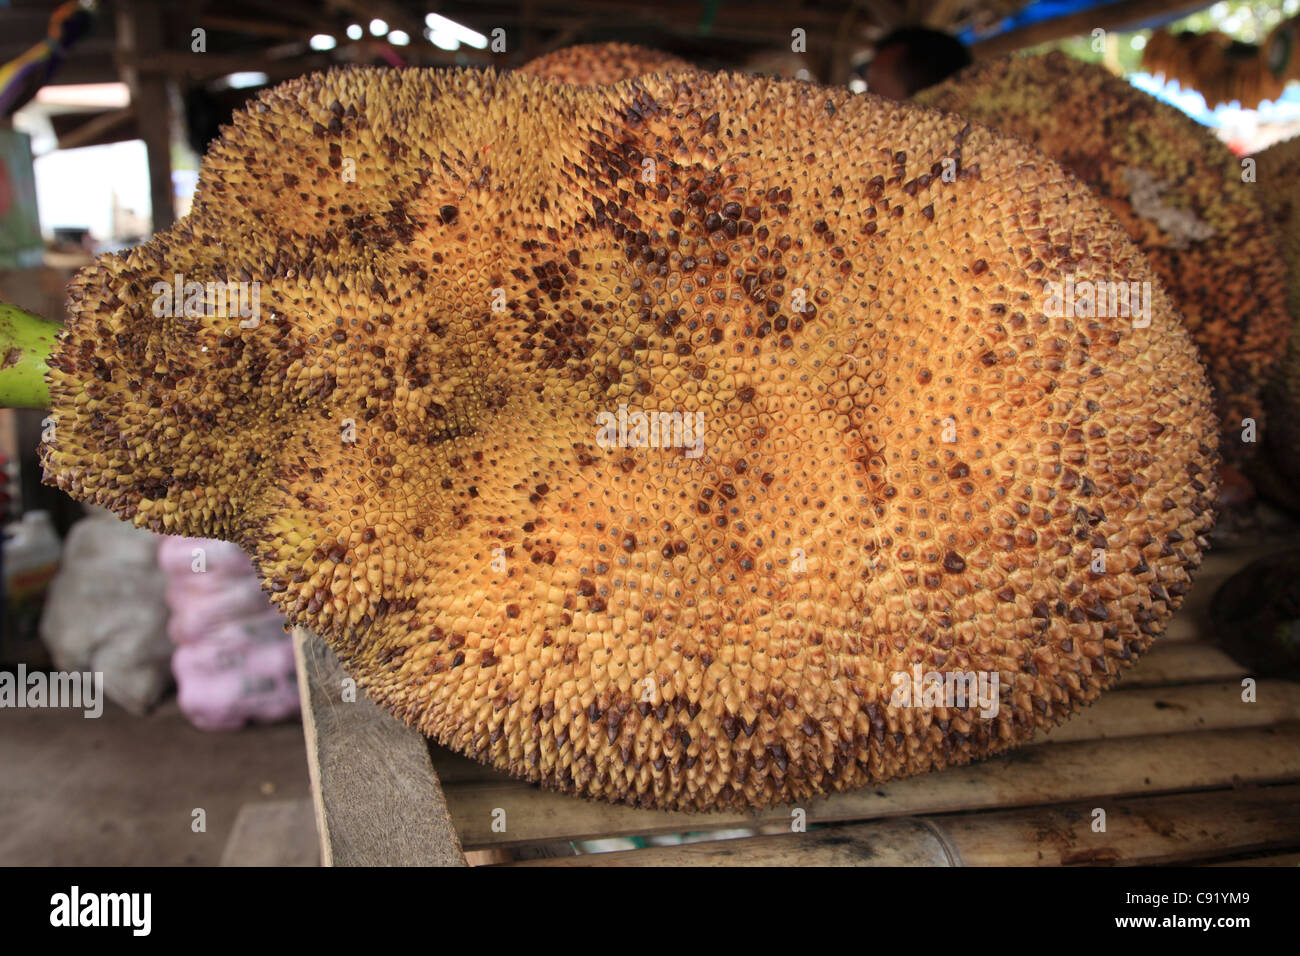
<point x="222" y="688"/>
<point x="234" y="661"/>
<point x="200" y="606"/>
<point x="203" y="556"/>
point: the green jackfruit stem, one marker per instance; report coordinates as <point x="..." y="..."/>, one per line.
<point x="26" y="342"/>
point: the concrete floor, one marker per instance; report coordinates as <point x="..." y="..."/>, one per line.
<point x="121" y="790"/>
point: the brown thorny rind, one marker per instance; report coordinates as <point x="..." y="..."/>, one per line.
<point x="1277" y="178"/>
<point x="1228" y="283"/>
<point x="602" y="63"/>
<point x="499" y="580"/>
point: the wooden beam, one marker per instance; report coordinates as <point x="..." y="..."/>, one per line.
<point x="1144" y="831"/>
<point x="305" y="12"/>
<point x="1277" y="859"/>
<point x="941" y="14"/>
<point x="93" y="129"/>
<point x="209" y="65"/>
<point x="140" y="36"/>
<point x="256" y="27"/>
<point x="903" y="842"/>
<point x="1112" y="16"/>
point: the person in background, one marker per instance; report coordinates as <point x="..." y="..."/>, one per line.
<point x="910" y="59"/>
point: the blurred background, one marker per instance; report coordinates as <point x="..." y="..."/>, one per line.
<point x="105" y="111"/>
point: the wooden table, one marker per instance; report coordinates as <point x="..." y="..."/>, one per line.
<point x="1183" y="769"/>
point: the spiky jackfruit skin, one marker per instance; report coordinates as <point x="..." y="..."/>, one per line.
<point x="1220" y="266"/>
<point x="592" y="64"/>
<point x="917" y="467"/>
<point x="1277" y="181"/>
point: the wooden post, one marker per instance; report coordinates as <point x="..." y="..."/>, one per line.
<point x="378" y="800"/>
<point x="139" y="36"/>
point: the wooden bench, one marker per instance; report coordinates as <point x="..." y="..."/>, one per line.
<point x="1184" y="770"/>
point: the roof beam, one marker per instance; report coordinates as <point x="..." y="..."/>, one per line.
<point x="1112" y="16"/>
<point x="94" y="128"/>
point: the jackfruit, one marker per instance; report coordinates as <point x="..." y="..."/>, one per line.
<point x="642" y="440"/>
<point x="1178" y="192"/>
<point x="599" y="64"/>
<point x="1277" y="470"/>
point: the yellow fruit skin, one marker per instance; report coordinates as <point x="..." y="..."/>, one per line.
<point x="599" y="64"/>
<point x="903" y="459"/>
<point x="1228" y="284"/>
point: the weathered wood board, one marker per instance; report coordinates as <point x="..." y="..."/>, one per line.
<point x="1145" y="831"/>
<point x="378" y="800"/>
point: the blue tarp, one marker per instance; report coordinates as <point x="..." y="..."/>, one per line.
<point x="1051" y="9"/>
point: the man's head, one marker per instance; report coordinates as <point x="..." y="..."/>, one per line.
<point x="910" y="59"/>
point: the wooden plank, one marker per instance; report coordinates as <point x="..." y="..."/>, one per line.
<point x="1183" y="662"/>
<point x="1037" y="774"/>
<point x="378" y="800"/>
<point x="1279" y="859"/>
<point x="1179" y="709"/>
<point x="274" y="833"/>
<point x="1147" y="830"/>
<point x="906" y="841"/>
<point x="1143" y="830"/>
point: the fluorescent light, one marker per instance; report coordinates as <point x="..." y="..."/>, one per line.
<point x="378" y="27"/>
<point x="102" y="95"/>
<point x="442" y="41"/>
<point x="323" y="41"/>
<point x="355" y="32"/>
<point x="241" y="81"/>
<point x="441" y="27"/>
<point x="399" y="38"/>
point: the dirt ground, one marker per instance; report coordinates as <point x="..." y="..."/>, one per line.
<point x="122" y="790"/>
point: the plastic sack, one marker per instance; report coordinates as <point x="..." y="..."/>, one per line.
<point x="106" y="612"/>
<point x="234" y="661"/>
